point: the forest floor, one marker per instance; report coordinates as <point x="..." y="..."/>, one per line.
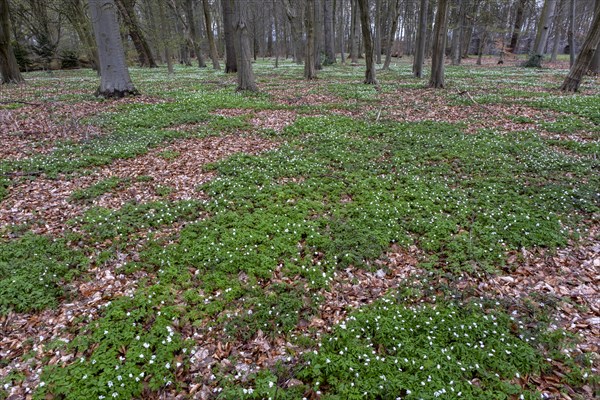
<point x="322" y="239"/>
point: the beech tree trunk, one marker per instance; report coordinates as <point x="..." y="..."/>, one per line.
<point x="75" y="13"/>
<point x="114" y="75"/>
<point x="581" y="65"/>
<point x="354" y="32"/>
<point x="439" y="45"/>
<point x="192" y="33"/>
<point x="165" y="37"/>
<point x="214" y="54"/>
<point x="365" y="23"/>
<point x="514" y="40"/>
<point x="395" y="14"/>
<point x="457" y="33"/>
<point x="9" y="69"/>
<point x="310" y="72"/>
<point x="378" y="31"/>
<point x="243" y="51"/>
<point x="571" y="33"/>
<point x="329" y="32"/>
<point x="543" y="31"/>
<point x="319" y="36"/>
<point x="230" y="57"/>
<point x="127" y="11"/>
<point x="595" y="64"/>
<point x="421" y="36"/>
<point x="294" y="14"/>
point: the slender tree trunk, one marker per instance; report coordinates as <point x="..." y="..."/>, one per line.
<point x="75" y="13"/>
<point x="114" y="75"/>
<point x="310" y="71"/>
<point x="242" y="47"/>
<point x="558" y="15"/>
<point x="9" y="69"/>
<point x="395" y="14"/>
<point x="439" y="45"/>
<point x="342" y="32"/>
<point x="214" y="54"/>
<point x="571" y="33"/>
<point x="581" y="65"/>
<point x="329" y="32"/>
<point x="126" y="9"/>
<point x="421" y="35"/>
<point x="514" y="40"/>
<point x="354" y="32"/>
<point x="230" y="57"/>
<point x="595" y="64"/>
<point x="482" y="43"/>
<point x="457" y="33"/>
<point x="192" y="33"/>
<point x="378" y="31"/>
<point x="165" y="36"/>
<point x="319" y="36"/>
<point x="365" y="23"/>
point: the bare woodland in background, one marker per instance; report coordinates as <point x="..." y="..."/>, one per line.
<point x="52" y="34"/>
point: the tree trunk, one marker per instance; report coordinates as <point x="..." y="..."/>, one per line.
<point x="230" y="57"/>
<point x="558" y="15"/>
<point x="114" y="75"/>
<point x="319" y="36"/>
<point x="365" y="23"/>
<point x="542" y="34"/>
<point x="457" y="33"/>
<point x="395" y="14"/>
<point x="354" y="32"/>
<point x="242" y="47"/>
<point x="310" y="71"/>
<point x="329" y="32"/>
<point x="514" y="40"/>
<point x="165" y="37"/>
<point x="378" y="31"/>
<point x="294" y="15"/>
<point x="482" y="43"/>
<point x="580" y="67"/>
<point x="9" y="69"/>
<point x="571" y="33"/>
<point x="595" y="64"/>
<point x="214" y="54"/>
<point x="192" y="33"/>
<point x="75" y="13"/>
<point x="470" y="26"/>
<point x="421" y="35"/>
<point x="439" y="45"/>
<point x="126" y="9"/>
<point x="342" y="31"/>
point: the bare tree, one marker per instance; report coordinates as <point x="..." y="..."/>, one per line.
<point x="514" y="40"/>
<point x="114" y="75"/>
<point x="310" y="72"/>
<point x="394" y="15"/>
<point x="165" y="36"/>
<point x="595" y="64"/>
<point x="230" y="57"/>
<point x="214" y="54"/>
<point x="355" y="17"/>
<point x="543" y="30"/>
<point x="9" y="69"/>
<point x="293" y="10"/>
<point x="126" y="8"/>
<point x="329" y="32"/>
<point x="439" y="45"/>
<point x="242" y="47"/>
<point x="581" y="65"/>
<point x="571" y="33"/>
<point x="365" y="22"/>
<point x="421" y="36"/>
<point x="75" y="13"/>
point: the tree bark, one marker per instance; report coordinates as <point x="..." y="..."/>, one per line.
<point x="542" y="34"/>
<point x="9" y="69"/>
<point x="378" y="31"/>
<point x="214" y="54"/>
<point x="514" y="40"/>
<point x="243" y="52"/>
<point x="365" y="23"/>
<point x="310" y="71"/>
<point x="457" y="33"/>
<point x="318" y="27"/>
<point x="354" y="32"/>
<point x="394" y="14"/>
<point x="421" y="35"/>
<point x="581" y="65"/>
<point x="126" y="9"/>
<point x="165" y="37"/>
<point x="329" y="32"/>
<point x="595" y="64"/>
<point x="192" y="32"/>
<point x="75" y="13"/>
<point x="557" y="25"/>
<point x="114" y="75"/>
<point x="230" y="57"/>
<point x="439" y="45"/>
<point x="571" y="33"/>
<point x="341" y="31"/>
<point x="294" y="15"/>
